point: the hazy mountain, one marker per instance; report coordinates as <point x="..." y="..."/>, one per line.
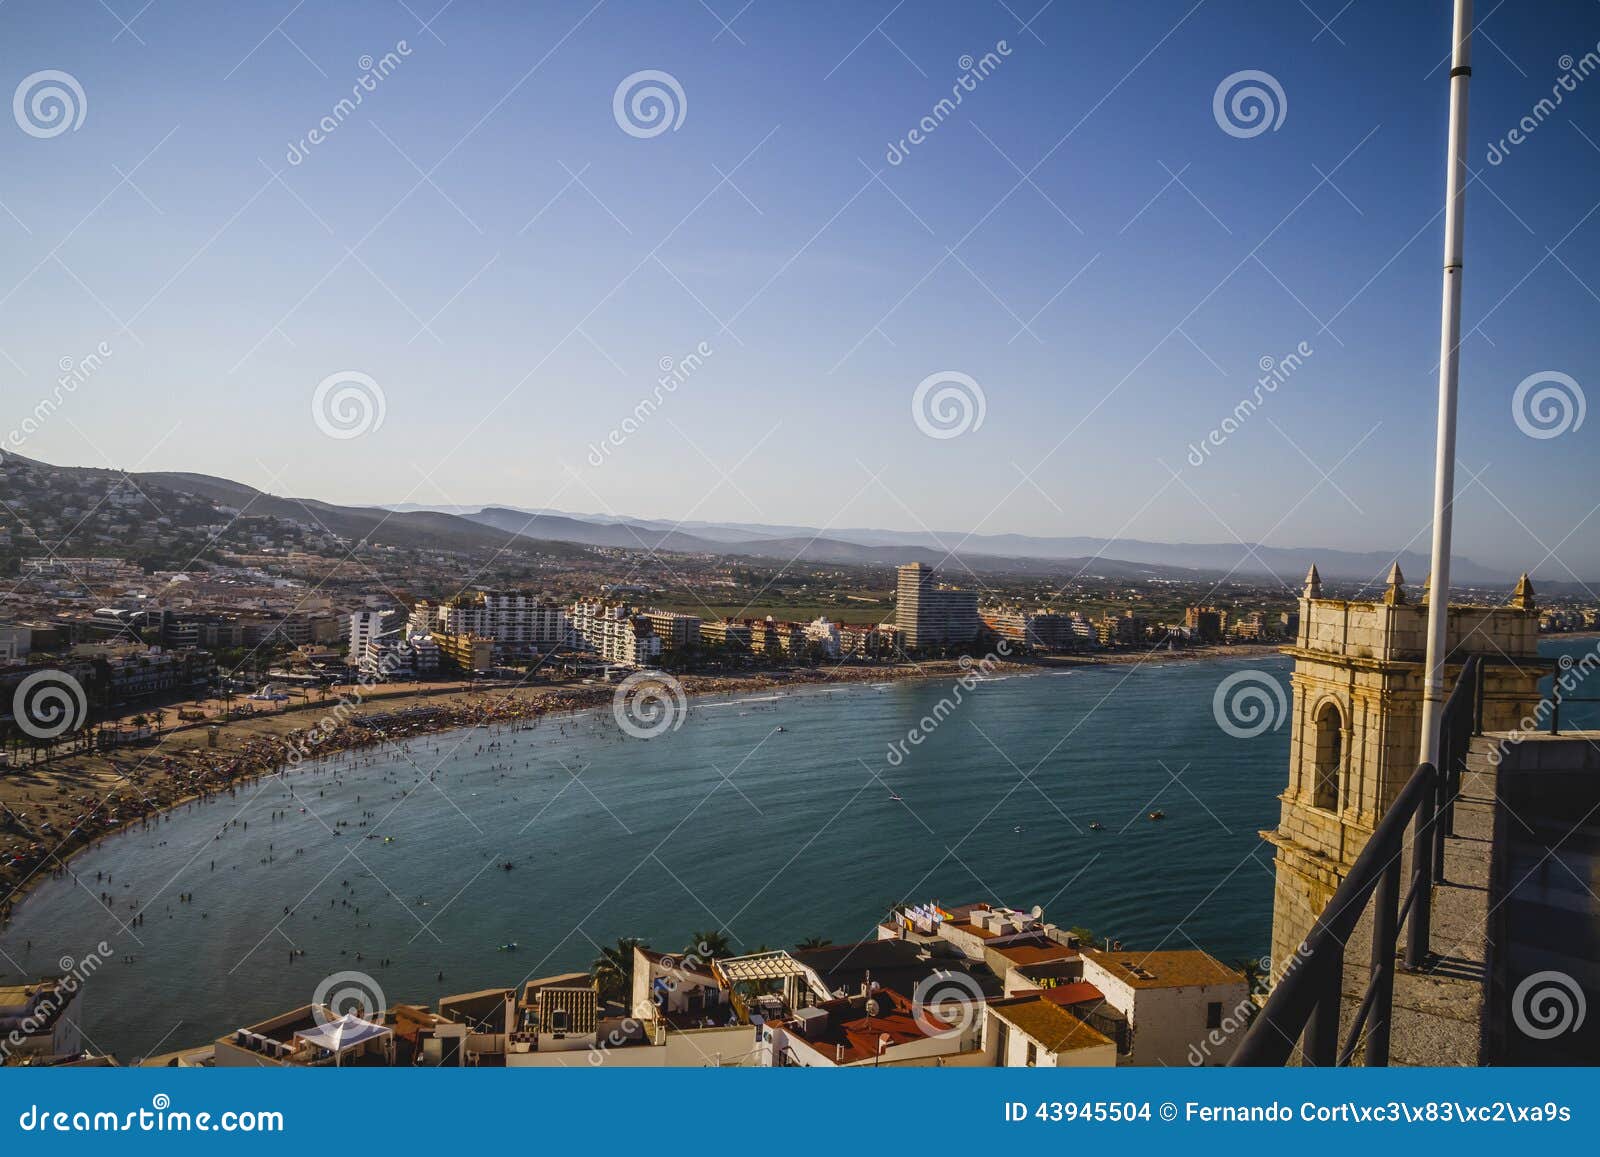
<point x="852" y="544"/>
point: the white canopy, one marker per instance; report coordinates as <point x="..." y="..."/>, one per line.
<point x="346" y="1033"/>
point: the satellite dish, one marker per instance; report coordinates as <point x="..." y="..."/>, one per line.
<point x="1037" y="913"/>
<point x="872" y="1008"/>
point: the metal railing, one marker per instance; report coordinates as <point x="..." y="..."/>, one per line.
<point x="1308" y="1000"/>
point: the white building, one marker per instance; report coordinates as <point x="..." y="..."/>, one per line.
<point x="1183" y="1007"/>
<point x="825" y="635"/>
<point x="366" y="628"/>
<point x="615" y="633"/>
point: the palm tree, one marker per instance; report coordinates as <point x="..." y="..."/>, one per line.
<point x="811" y="942"/>
<point x="613" y="969"/>
<point x="708" y="946"/>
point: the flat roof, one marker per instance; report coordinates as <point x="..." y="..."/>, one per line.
<point x="1180" y="968"/>
<point x="1054" y="1028"/>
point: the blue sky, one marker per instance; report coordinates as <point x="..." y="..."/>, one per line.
<point x="1081" y="238"/>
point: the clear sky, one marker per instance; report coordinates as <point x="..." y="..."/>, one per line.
<point x="1081" y="237"/>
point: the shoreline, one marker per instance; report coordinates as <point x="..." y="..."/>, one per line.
<point x="57" y="809"/>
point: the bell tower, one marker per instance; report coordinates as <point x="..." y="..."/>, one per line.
<point x="1357" y="719"/>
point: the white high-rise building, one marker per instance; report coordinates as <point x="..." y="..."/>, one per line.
<point x="616" y="633"/>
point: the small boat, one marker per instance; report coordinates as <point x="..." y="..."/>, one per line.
<point x="783" y="729"/>
<point x="1158" y="814"/>
<point x="894" y="797"/>
<point x="507" y="866"/>
<point x="1017" y="829"/>
<point x="512" y="947"/>
<point x="1096" y="826"/>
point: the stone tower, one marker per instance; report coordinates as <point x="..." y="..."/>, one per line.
<point x="1357" y="721"/>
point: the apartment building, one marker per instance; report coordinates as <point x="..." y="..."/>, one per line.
<point x="930" y="615"/>
<point x="676" y="631"/>
<point x="726" y="633"/>
<point x="615" y="632"/>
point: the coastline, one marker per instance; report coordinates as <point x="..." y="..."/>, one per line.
<point x="53" y="811"/>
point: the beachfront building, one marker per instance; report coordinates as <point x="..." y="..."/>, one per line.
<point x="520" y="625"/>
<point x="366" y="628"/>
<point x="930" y="615"/>
<point x="823" y="636"/>
<point x="727" y="633"/>
<point x="1037" y="630"/>
<point x="616" y="633"/>
<point x="676" y="631"/>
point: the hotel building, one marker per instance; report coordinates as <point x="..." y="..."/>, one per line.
<point x="930" y="615"/>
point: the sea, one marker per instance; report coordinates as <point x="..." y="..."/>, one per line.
<point x="485" y="857"/>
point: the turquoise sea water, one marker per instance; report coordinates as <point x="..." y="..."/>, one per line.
<point x="774" y="836"/>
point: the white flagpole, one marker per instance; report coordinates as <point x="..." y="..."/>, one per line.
<point x="1444" y="479"/>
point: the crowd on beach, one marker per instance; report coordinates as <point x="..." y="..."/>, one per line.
<point x="41" y="829"/>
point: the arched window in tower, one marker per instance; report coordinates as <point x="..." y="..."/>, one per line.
<point x="1329" y="757"/>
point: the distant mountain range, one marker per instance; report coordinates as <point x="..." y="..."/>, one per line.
<point x="567" y="534"/>
<point x="1106" y="557"/>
